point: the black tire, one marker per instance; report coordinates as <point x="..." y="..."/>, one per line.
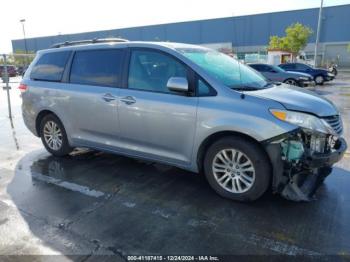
<point x="319" y="80"/>
<point x="334" y="71"/>
<point x="64" y="148"/>
<point x="258" y="158"/>
<point x="291" y="81"/>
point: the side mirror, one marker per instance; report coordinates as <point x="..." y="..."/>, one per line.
<point x="178" y="84"/>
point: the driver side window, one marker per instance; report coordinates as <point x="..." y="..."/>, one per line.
<point x="151" y="70"/>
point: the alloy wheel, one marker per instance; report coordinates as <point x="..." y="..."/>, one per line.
<point x="319" y="79"/>
<point x="233" y="170"/>
<point x="53" y="135"/>
<point x="291" y="82"/>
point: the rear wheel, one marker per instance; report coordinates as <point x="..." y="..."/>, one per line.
<point x="319" y="80"/>
<point x="237" y="169"/>
<point x="53" y="136"/>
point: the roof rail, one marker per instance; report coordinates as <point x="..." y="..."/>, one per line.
<point x="92" y="41"/>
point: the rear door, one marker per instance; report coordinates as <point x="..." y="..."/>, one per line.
<point x="95" y="80"/>
<point x="46" y="88"/>
<point x="155" y="122"/>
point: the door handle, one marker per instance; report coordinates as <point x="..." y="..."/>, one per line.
<point x="108" y="97"/>
<point x="128" y="100"/>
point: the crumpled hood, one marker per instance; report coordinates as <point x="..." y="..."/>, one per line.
<point x="298" y="99"/>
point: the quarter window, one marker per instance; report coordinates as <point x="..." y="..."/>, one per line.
<point x="150" y="70"/>
<point x="97" y="67"/>
<point x="204" y="89"/>
<point x="50" y="66"/>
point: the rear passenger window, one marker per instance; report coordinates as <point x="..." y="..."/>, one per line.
<point x="256" y="67"/>
<point x="97" y="67"/>
<point x="50" y="66"/>
<point x="266" y="68"/>
<point x="301" y="67"/>
<point x="288" y="66"/>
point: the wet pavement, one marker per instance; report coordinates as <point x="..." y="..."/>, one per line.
<point x="93" y="203"/>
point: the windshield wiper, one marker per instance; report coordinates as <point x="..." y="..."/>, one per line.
<point x="274" y="83"/>
<point x="271" y="84"/>
<point x="246" y="88"/>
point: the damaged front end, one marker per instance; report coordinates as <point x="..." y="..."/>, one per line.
<point x="301" y="160"/>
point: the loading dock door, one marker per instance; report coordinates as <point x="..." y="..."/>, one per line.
<point x="337" y="53"/>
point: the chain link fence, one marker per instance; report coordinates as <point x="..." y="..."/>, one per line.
<point x="12" y="69"/>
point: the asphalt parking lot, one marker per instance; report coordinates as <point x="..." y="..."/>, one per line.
<point x="93" y="203"/>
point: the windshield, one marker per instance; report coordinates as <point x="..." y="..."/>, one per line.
<point x="225" y="69"/>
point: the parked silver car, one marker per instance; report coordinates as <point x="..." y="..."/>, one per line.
<point x="277" y="74"/>
<point x="186" y="106"/>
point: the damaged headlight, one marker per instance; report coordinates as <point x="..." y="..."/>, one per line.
<point x="303" y="120"/>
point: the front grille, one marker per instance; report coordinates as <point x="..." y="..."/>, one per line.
<point x="335" y="123"/>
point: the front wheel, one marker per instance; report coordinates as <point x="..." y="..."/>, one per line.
<point x="291" y="81"/>
<point x="53" y="136"/>
<point x="319" y="80"/>
<point x="237" y="169"/>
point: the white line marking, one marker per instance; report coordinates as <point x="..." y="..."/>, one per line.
<point x="68" y="185"/>
<point x="280" y="247"/>
<point x="129" y="204"/>
<point x="9" y="203"/>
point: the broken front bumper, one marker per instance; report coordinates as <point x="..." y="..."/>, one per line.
<point x="320" y="160"/>
<point x="299" y="180"/>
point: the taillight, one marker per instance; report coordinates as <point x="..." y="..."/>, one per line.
<point x="22" y="88"/>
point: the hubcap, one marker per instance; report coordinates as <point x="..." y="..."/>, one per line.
<point x="233" y="171"/>
<point x="291" y="82"/>
<point x="319" y="79"/>
<point x="53" y="135"/>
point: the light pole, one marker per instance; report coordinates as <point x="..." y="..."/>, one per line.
<point x="318" y="32"/>
<point x="7" y="87"/>
<point x="24" y="35"/>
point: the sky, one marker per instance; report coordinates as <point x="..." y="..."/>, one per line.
<point x="47" y="17"/>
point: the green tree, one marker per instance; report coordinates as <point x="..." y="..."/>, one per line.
<point x="296" y="38"/>
<point x="275" y="42"/>
<point x="20" y="58"/>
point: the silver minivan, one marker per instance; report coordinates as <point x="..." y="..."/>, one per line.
<point x="186" y="106"/>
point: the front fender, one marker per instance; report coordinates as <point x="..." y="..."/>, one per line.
<point x="249" y="116"/>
